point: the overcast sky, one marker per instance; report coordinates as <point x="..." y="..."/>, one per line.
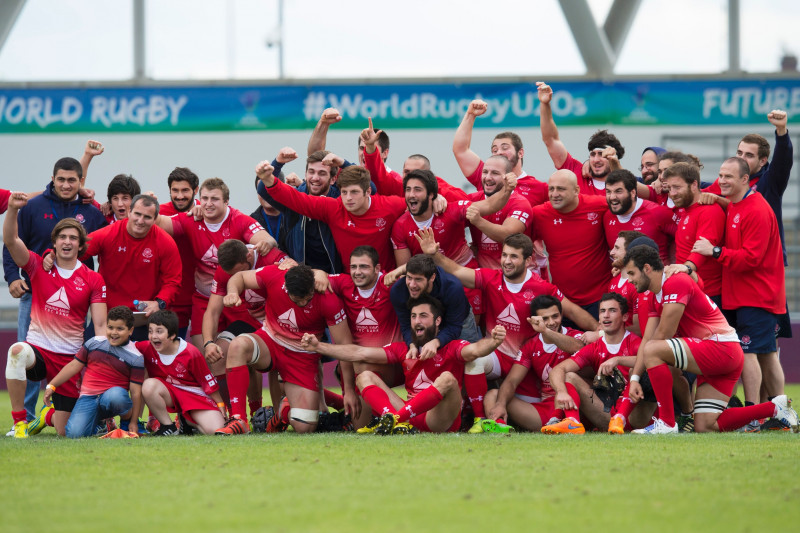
<point x="212" y="39"/>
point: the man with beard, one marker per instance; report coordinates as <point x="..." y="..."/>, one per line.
<point x="183" y="185"/>
<point x="626" y="211"/>
<point x="682" y="182"/>
<point x="433" y="385"/>
<point x="599" y="164"/>
<point x="507" y="144"/>
<point x="691" y="334"/>
<point x="649" y="164"/>
<point x="525" y="395"/>
<point x="507" y="295"/>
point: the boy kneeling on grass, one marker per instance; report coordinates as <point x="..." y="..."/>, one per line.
<point x="178" y="380"/>
<point x="113" y="367"/>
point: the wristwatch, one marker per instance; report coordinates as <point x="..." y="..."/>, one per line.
<point x="716" y="252"/>
<point x="161" y="303"/>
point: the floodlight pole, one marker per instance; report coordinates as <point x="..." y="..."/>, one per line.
<point x="139" y="48"/>
<point x="734" y="28"/>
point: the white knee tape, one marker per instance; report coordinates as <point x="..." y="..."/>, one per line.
<point x="16" y="364"/>
<point x="226" y="336"/>
<point x="256" y="351"/>
<point x="681" y="357"/>
<point x="309" y="416"/>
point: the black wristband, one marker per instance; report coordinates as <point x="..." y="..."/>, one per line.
<point x="207" y="343"/>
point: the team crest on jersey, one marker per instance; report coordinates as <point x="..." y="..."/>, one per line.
<point x="637" y="222"/>
<point x="380" y="222"/>
<point x="737" y="218"/>
<point x="591" y="216"/>
<point x="58" y="303"/>
<point x="288" y="319"/>
<point x="79" y="283"/>
<point x="685" y="220"/>
<point x="180" y="370"/>
<point x="438" y="224"/>
<point x="528" y="295"/>
<point x="509" y="318"/>
<point x="226" y="233"/>
<point x="147" y="253"/>
<point x="79" y="217"/>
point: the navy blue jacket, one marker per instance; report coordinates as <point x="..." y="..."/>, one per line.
<point x="773" y="179"/>
<point x="447" y="289"/>
<point x="35" y="223"/>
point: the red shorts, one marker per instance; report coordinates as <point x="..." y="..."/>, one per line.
<point x="299" y="368"/>
<point x="229" y="315"/>
<point x="720" y="362"/>
<point x="419" y="423"/>
<point x="528" y="385"/>
<point x="53" y="363"/>
<point x="184" y="313"/>
<point x="185" y="401"/>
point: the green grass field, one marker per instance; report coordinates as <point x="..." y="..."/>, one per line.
<point x="338" y="482"/>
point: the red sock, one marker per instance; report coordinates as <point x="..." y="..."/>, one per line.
<point x="661" y="380"/>
<point x="377" y="398"/>
<point x="733" y="419"/>
<point x="254" y="405"/>
<point x="573" y="393"/>
<point x="333" y="400"/>
<point x="19" y="416"/>
<point x="238" y="381"/>
<point x="48" y="418"/>
<point x="476" y="387"/>
<point x="421" y="403"/>
<point x="624" y="405"/>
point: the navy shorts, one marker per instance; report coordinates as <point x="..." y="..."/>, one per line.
<point x="756" y="328"/>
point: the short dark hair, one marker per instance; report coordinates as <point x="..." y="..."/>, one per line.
<point x="680" y="157"/>
<point x="506" y="161"/>
<point x="642" y="255"/>
<point x="299" y="281"/>
<point x="520" y="241"/>
<point x="123" y="184"/>
<point x="426" y="299"/>
<point x="763" y="144"/>
<point x="147" y="200"/>
<point x="686" y="171"/>
<point x="368" y="251"/>
<point x="628" y="235"/>
<point x="382" y="142"/>
<point x="426" y="163"/>
<point x="623" y="303"/>
<point x="516" y="140"/>
<point x="421" y="265"/>
<point x="625" y="177"/>
<point x="121" y="312"/>
<point x="354" y="175"/>
<point x="166" y="318"/>
<point x="744" y="168"/>
<point x="230" y="253"/>
<point x="603" y="138"/>
<point x="212" y="184"/>
<point x="427" y="178"/>
<point x="544" y="301"/>
<point x="68" y="163"/>
<point x="183" y="174"/>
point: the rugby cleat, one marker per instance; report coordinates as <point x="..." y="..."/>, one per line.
<point x="685" y="424"/>
<point x="166" y="430"/>
<point x="152" y="424"/>
<point x="36" y="425"/>
<point x="754" y="426"/>
<point x="234" y="426"/>
<point x="386" y="424"/>
<point x="658" y="427"/>
<point x="369" y="428"/>
<point x="773" y="424"/>
<point x="477" y="426"/>
<point x="616" y="425"/>
<point x="21" y="430"/>
<point x="785" y="413"/>
<point x="183" y="426"/>
<point x="493" y="426"/>
<point x="566" y="426"/>
<point x="404" y="428"/>
<point x="275" y="425"/>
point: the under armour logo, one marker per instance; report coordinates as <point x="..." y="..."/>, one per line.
<point x="50" y="216"/>
<point x="234" y="399"/>
<point x="612" y="222"/>
<point x="557" y="221"/>
<point x="122" y="249"/>
<point x="350" y="223"/>
<point x="411" y="414"/>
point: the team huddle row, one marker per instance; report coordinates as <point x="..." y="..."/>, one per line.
<point x="597" y="299"/>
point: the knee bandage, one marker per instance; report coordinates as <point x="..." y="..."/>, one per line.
<point x="309" y="416"/>
<point x="17" y="364"/>
<point x="256" y="351"/>
<point x="678" y="350"/>
<point x="481" y="365"/>
<point x="709" y="406"/>
<point x="226" y="336"/>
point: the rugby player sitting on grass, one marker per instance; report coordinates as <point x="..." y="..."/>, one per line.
<point x="433" y="385"/>
<point x="113" y="367"/>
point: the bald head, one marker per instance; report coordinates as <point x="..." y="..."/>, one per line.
<point x="562" y="189"/>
